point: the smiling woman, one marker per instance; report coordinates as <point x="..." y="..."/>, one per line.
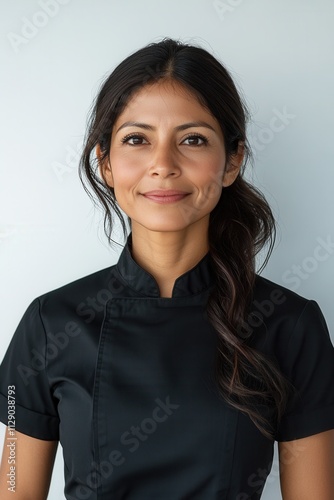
<point x="178" y="384"/>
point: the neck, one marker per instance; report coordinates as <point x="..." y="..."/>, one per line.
<point x="167" y="255"/>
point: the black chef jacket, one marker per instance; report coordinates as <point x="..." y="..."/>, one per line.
<point x="124" y="379"/>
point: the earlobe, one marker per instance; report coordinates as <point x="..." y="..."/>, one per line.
<point x="233" y="166"/>
<point x="104" y="167"/>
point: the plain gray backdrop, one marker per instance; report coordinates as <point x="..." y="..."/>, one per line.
<point x="54" y="56"/>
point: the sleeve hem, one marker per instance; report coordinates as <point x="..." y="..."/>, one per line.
<point x="306" y="424"/>
<point x="28" y="422"/>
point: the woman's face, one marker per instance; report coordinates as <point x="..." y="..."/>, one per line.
<point x="167" y="159"/>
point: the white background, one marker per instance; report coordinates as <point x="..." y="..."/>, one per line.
<point x="279" y="53"/>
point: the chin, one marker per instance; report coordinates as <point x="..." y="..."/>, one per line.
<point x="163" y="225"/>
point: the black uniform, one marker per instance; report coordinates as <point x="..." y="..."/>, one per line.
<point x="124" y="379"/>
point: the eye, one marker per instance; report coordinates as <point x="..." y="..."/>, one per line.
<point x="134" y="140"/>
<point x="196" y="140"/>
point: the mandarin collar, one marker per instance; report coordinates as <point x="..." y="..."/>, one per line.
<point x="196" y="280"/>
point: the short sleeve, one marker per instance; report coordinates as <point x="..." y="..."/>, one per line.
<point x="309" y="365"/>
<point x="25" y="367"/>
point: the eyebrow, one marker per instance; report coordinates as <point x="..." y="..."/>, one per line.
<point x="184" y="126"/>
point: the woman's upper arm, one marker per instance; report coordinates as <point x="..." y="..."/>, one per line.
<point x="307" y="467"/>
<point x="34" y="459"/>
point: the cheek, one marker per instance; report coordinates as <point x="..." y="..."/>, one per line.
<point x="125" y="172"/>
<point x="209" y="196"/>
<point x="210" y="179"/>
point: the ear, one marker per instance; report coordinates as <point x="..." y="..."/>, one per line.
<point x="233" y="165"/>
<point x="104" y="167"/>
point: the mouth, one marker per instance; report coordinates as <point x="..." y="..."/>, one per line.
<point x="165" y="195"/>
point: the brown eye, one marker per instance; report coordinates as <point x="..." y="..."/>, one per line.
<point x="195" y="140"/>
<point x="134" y="140"/>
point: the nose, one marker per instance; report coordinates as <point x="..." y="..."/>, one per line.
<point x="164" y="162"/>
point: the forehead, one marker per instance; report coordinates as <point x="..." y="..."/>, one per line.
<point x="164" y="96"/>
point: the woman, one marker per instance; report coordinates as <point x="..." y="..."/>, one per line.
<point x="171" y="374"/>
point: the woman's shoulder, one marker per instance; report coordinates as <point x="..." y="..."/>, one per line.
<point x="280" y="318"/>
<point x="273" y="308"/>
<point x="267" y="291"/>
<point x="89" y="287"/>
<point x="273" y="303"/>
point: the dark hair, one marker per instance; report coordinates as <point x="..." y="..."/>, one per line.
<point x="241" y="224"/>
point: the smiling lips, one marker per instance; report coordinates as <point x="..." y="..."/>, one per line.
<point x="165" y="195"/>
